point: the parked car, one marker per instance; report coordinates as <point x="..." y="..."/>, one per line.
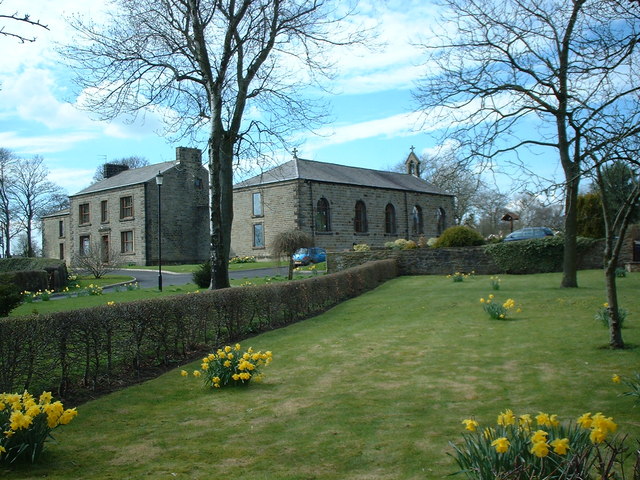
<point x="529" y="233"/>
<point x="305" y="256"/>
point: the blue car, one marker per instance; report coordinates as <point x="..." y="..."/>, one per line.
<point x="529" y="233"/>
<point x="305" y="256"/>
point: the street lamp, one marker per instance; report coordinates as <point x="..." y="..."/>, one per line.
<point x="159" y="179"/>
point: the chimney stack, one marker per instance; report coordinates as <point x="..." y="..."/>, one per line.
<point x="111" y="169"/>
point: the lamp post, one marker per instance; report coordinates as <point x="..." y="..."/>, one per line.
<point x="159" y="179"/>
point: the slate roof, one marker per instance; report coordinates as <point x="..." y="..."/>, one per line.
<point x="133" y="176"/>
<point x="301" y="169"/>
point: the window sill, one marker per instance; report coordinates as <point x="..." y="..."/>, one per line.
<point x="258" y="248"/>
<point x="127" y="219"/>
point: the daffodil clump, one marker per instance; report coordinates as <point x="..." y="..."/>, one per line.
<point x="231" y="366"/>
<point x="527" y="446"/>
<point x="26" y="422"/>
<point x="246" y="259"/>
<point x="459" y="276"/>
<point x="602" y="315"/>
<point x="495" y="282"/>
<point x="497" y="310"/>
<point x="632" y="383"/>
<point x="30" y="297"/>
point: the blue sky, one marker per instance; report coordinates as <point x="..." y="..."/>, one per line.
<point x="374" y="125"/>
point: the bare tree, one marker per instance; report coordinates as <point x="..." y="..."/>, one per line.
<point x="519" y="74"/>
<point x="617" y="213"/>
<point x="133" y="161"/>
<point x="208" y="62"/>
<point x="20" y="18"/>
<point x="98" y="259"/>
<point x="34" y="195"/>
<point x="538" y="211"/>
<point x="7" y="160"/>
<point x="454" y="176"/>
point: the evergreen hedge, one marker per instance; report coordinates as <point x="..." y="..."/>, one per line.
<point x="538" y="255"/>
<point x="55" y="277"/>
<point x="101" y="347"/>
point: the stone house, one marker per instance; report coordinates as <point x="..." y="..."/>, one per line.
<point x="338" y="206"/>
<point x="119" y="215"/>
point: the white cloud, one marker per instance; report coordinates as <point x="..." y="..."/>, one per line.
<point x="43" y="144"/>
<point x="71" y="179"/>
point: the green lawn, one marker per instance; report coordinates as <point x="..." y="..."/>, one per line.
<point x="190" y="268"/>
<point x="124" y="294"/>
<point x="375" y="388"/>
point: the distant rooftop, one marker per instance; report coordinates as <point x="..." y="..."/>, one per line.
<point x="300" y="169"/>
<point x="133" y="176"/>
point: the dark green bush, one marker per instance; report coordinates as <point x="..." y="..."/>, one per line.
<point x="459" y="236"/>
<point x="27" y="280"/>
<point x="538" y="255"/>
<point x="110" y="345"/>
<point x="55" y="277"/>
<point x="202" y="276"/>
<point x="10" y="298"/>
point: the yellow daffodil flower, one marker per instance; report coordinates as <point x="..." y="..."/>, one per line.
<point x="616" y="378"/>
<point x="470" y="424"/>
<point x="184" y="373"/>
<point x="539" y="436"/>
<point x="560" y="445"/>
<point x="501" y="444"/>
<point x="506" y="418"/>
<point x="540" y="449"/>
<point x="585" y="420"/>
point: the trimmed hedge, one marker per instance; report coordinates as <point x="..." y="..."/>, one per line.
<point x="30" y="280"/>
<point x="538" y="255"/>
<point x="55" y="277"/>
<point x="101" y="347"/>
<point x="459" y="236"/>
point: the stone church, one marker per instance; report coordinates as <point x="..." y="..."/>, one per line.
<point x="338" y="206"/>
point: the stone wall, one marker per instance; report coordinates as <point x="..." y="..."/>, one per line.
<point x="421" y="261"/>
<point x="279" y="213"/>
<point x="55" y="245"/>
<point x="185" y="212"/>
<point x="443" y="261"/>
<point x="342" y="200"/>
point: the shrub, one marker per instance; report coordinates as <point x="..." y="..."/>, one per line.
<point x="31" y="280"/>
<point x="525" y="447"/>
<point x="228" y="366"/>
<point x="459" y="236"/>
<point x="107" y="345"/>
<point x="202" y="275"/>
<point x="26" y="424"/>
<point x="538" y="255"/>
<point x="10" y="298"/>
<point x="361" y="247"/>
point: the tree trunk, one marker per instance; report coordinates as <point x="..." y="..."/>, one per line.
<point x="291" y="267"/>
<point x="570" y="258"/>
<point x="615" y="330"/>
<point x="221" y="184"/>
